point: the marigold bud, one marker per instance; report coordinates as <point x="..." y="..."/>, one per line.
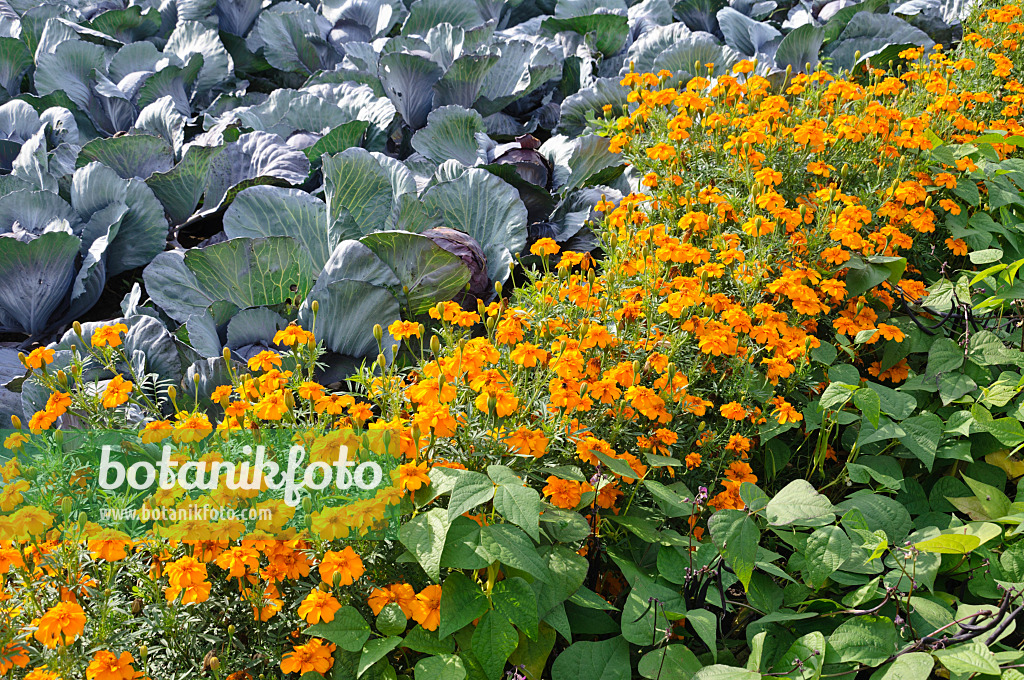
<point x="378" y="332"/>
<point x="16" y="422"/>
<point x="435" y="345"/>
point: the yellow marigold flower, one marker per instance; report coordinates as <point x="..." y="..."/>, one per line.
<point x="191" y="427"/>
<point x="544" y="247"/>
<point x="156" y="431"/>
<point x="15" y="441"/>
<point x="108" y="336"/>
<point x="39" y="357"/>
<point x="11" y="495"/>
<point x="413" y="476"/>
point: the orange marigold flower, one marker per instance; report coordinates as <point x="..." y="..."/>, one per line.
<point x="293" y="335"/>
<point x="41" y="420"/>
<point x="314" y="656"/>
<point x="345" y="564"/>
<point x="957" y="246"/>
<point x="693" y="460"/>
<point x="890" y="332"/>
<point x="785" y="412"/>
<point x="264" y="361"/>
<point x="319" y="606"/>
<point x="39" y="357"/>
<point x="740" y="472"/>
<point x="404" y="329"/>
<point x="105" y="336"/>
<point x="156" y="431"/>
<point x="105" y="665"/>
<point x="401" y="593"/>
<point x="58" y="403"/>
<point x="61" y="624"/>
<point x="117" y="392"/>
<point x="608" y="495"/>
<point x="733" y="411"/>
<point x="564" y="493"/>
<point x="426" y="611"/>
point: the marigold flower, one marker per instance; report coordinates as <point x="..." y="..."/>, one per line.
<point x="319" y="606"/>
<point x="117" y="392"/>
<point x="39" y="357"/>
<point x="293" y="335"/>
<point x="61" y="624"/>
<point x="564" y="493"/>
<point x="105" y="665"/>
<point x="191" y="427"/>
<point x="272" y="407"/>
<point x="693" y="460"/>
<point x="733" y="411"/>
<point x="105" y="336"/>
<point x="345" y="564"/>
<point x="264" y="361"/>
<point x="58" y="403"/>
<point x="740" y="472"/>
<point x="426" y="611"/>
<point x="404" y="329"/>
<point x="314" y="656"/>
<point x="156" y="431"/>
<point x="15" y="441"/>
<point x="400" y="593"/>
<point x="544" y="247"/>
<point x="413" y="476"/>
<point x="41" y="420"/>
